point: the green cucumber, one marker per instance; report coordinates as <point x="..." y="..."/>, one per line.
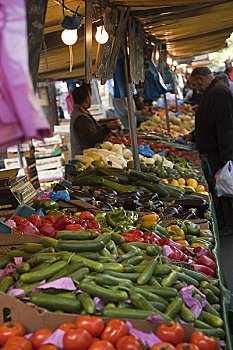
<point x="55" y="303"/>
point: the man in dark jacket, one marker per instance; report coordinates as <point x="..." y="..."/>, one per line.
<point x="214" y="132"/>
<point x="85" y="132"/>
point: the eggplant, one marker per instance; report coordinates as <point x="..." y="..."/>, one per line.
<point x="172" y="212"/>
<point x="156" y="205"/>
<point x="103" y="190"/>
<point x="189" y="215"/>
<point x="149" y="197"/>
<point x="187" y="203"/>
<point x="85" y="196"/>
<point x="129" y="204"/>
<point x="129" y="195"/>
<point x="103" y="206"/>
<point x="105" y="198"/>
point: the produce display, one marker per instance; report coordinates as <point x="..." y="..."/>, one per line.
<point x="91" y="333"/>
<point x="145" y="251"/>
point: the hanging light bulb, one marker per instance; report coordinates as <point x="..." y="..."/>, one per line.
<point x="175" y="63"/>
<point x="69" y="36"/>
<point x="157" y="55"/>
<point x="101" y="35"/>
<point x="169" y="61"/>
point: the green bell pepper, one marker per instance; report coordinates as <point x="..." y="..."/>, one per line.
<point x="116" y="216"/>
<point x="47" y="204"/>
<point x="192" y="229"/>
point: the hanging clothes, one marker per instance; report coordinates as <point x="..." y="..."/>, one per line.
<point x="154" y="86"/>
<point x="21" y="117"/>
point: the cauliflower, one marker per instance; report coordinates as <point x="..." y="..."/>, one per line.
<point x="167" y="163"/>
<point x="127" y="153"/>
<point x="107" y="145"/>
<point x="157" y="157"/>
<point x="149" y="161"/>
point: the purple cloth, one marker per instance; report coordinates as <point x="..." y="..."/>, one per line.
<point x="193" y="304"/>
<point x="148" y="339"/>
<point x="56" y="338"/>
<point x="21" y="117"/>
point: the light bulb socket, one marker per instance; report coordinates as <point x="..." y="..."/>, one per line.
<point x="71" y="22"/>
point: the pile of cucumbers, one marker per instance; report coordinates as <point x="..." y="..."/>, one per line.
<point x="131" y="279"/>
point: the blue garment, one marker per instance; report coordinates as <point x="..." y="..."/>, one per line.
<point x="154" y="86"/>
<point x="71" y="85"/>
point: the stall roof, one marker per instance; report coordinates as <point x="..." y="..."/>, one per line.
<point x="188" y="27"/>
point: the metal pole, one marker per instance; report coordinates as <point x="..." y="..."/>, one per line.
<point x="131" y="115"/>
<point x="164" y="96"/>
<point x="20" y="157"/>
<point x="175" y="89"/>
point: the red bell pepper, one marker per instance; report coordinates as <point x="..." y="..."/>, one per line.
<point x="204" y="260"/>
<point x="49" y="218"/>
<point x="16" y="231"/>
<point x="151" y="237"/>
<point x="86" y="215"/>
<point x="94" y="225"/>
<point x="131" y="238"/>
<point x="18" y="219"/>
<point x="28" y="228"/>
<point x="63" y="221"/>
<point x="74" y="227"/>
<point x="35" y="220"/>
<point x="48" y="230"/>
<point x="81" y="222"/>
<point x="136" y="233"/>
<point x="204" y="269"/>
<point x="203" y="251"/>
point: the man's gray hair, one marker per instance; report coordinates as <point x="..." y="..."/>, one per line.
<point x="203" y="71"/>
<point x="224" y="77"/>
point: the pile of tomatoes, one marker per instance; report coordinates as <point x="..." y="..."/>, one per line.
<point x="90" y="333"/>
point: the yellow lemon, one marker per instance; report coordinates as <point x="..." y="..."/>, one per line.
<point x="192" y="182"/>
<point x="200" y="188"/>
<point x="181" y="181"/>
<point x="175" y="183"/>
<point x="165" y="180"/>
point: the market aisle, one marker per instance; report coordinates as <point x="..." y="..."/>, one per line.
<point x="226" y="245"/>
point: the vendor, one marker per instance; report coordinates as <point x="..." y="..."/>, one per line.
<point x="85" y="131"/>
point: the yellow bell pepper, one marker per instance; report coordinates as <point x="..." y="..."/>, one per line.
<point x="183" y="242"/>
<point x="77" y="214"/>
<point x="176" y="233"/>
<point x="198" y="245"/>
<point x="149" y="220"/>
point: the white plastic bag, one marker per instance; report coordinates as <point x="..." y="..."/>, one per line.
<point x="224" y="181"/>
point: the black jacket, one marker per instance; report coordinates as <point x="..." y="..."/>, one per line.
<point x="214" y="122"/>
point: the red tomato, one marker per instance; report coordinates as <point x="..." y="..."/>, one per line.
<point x="163" y="346"/>
<point x="48" y="347"/>
<point x="22" y="342"/>
<point x="203" y="342"/>
<point x="74" y="227"/>
<point x="77" y="339"/>
<point x="101" y="345"/>
<point x="8" y="329"/>
<point x="94" y="325"/>
<point x="114" y="330"/>
<point x="40" y="336"/>
<point x="128" y="342"/>
<point x="170" y="332"/>
<point x="65" y="326"/>
<point x="11" y="347"/>
<point x="187" y="346"/>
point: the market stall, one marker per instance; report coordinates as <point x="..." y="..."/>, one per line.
<point x="128" y="237"/>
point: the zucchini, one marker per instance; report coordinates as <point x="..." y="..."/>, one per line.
<point x="150" y="177"/>
<point x="157" y="188"/>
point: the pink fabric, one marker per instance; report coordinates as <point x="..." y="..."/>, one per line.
<point x="21" y="117"/>
<point x="69" y="102"/>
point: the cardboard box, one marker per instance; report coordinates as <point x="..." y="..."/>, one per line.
<point x="34" y="318"/>
<point x="48" y="163"/>
<point x="9" y="241"/>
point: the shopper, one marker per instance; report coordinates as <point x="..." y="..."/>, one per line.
<point x="213" y="131"/>
<point x="85" y="131"/>
<point x="229" y="69"/>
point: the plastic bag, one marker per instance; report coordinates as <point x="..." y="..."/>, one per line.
<point x="224" y="181"/>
